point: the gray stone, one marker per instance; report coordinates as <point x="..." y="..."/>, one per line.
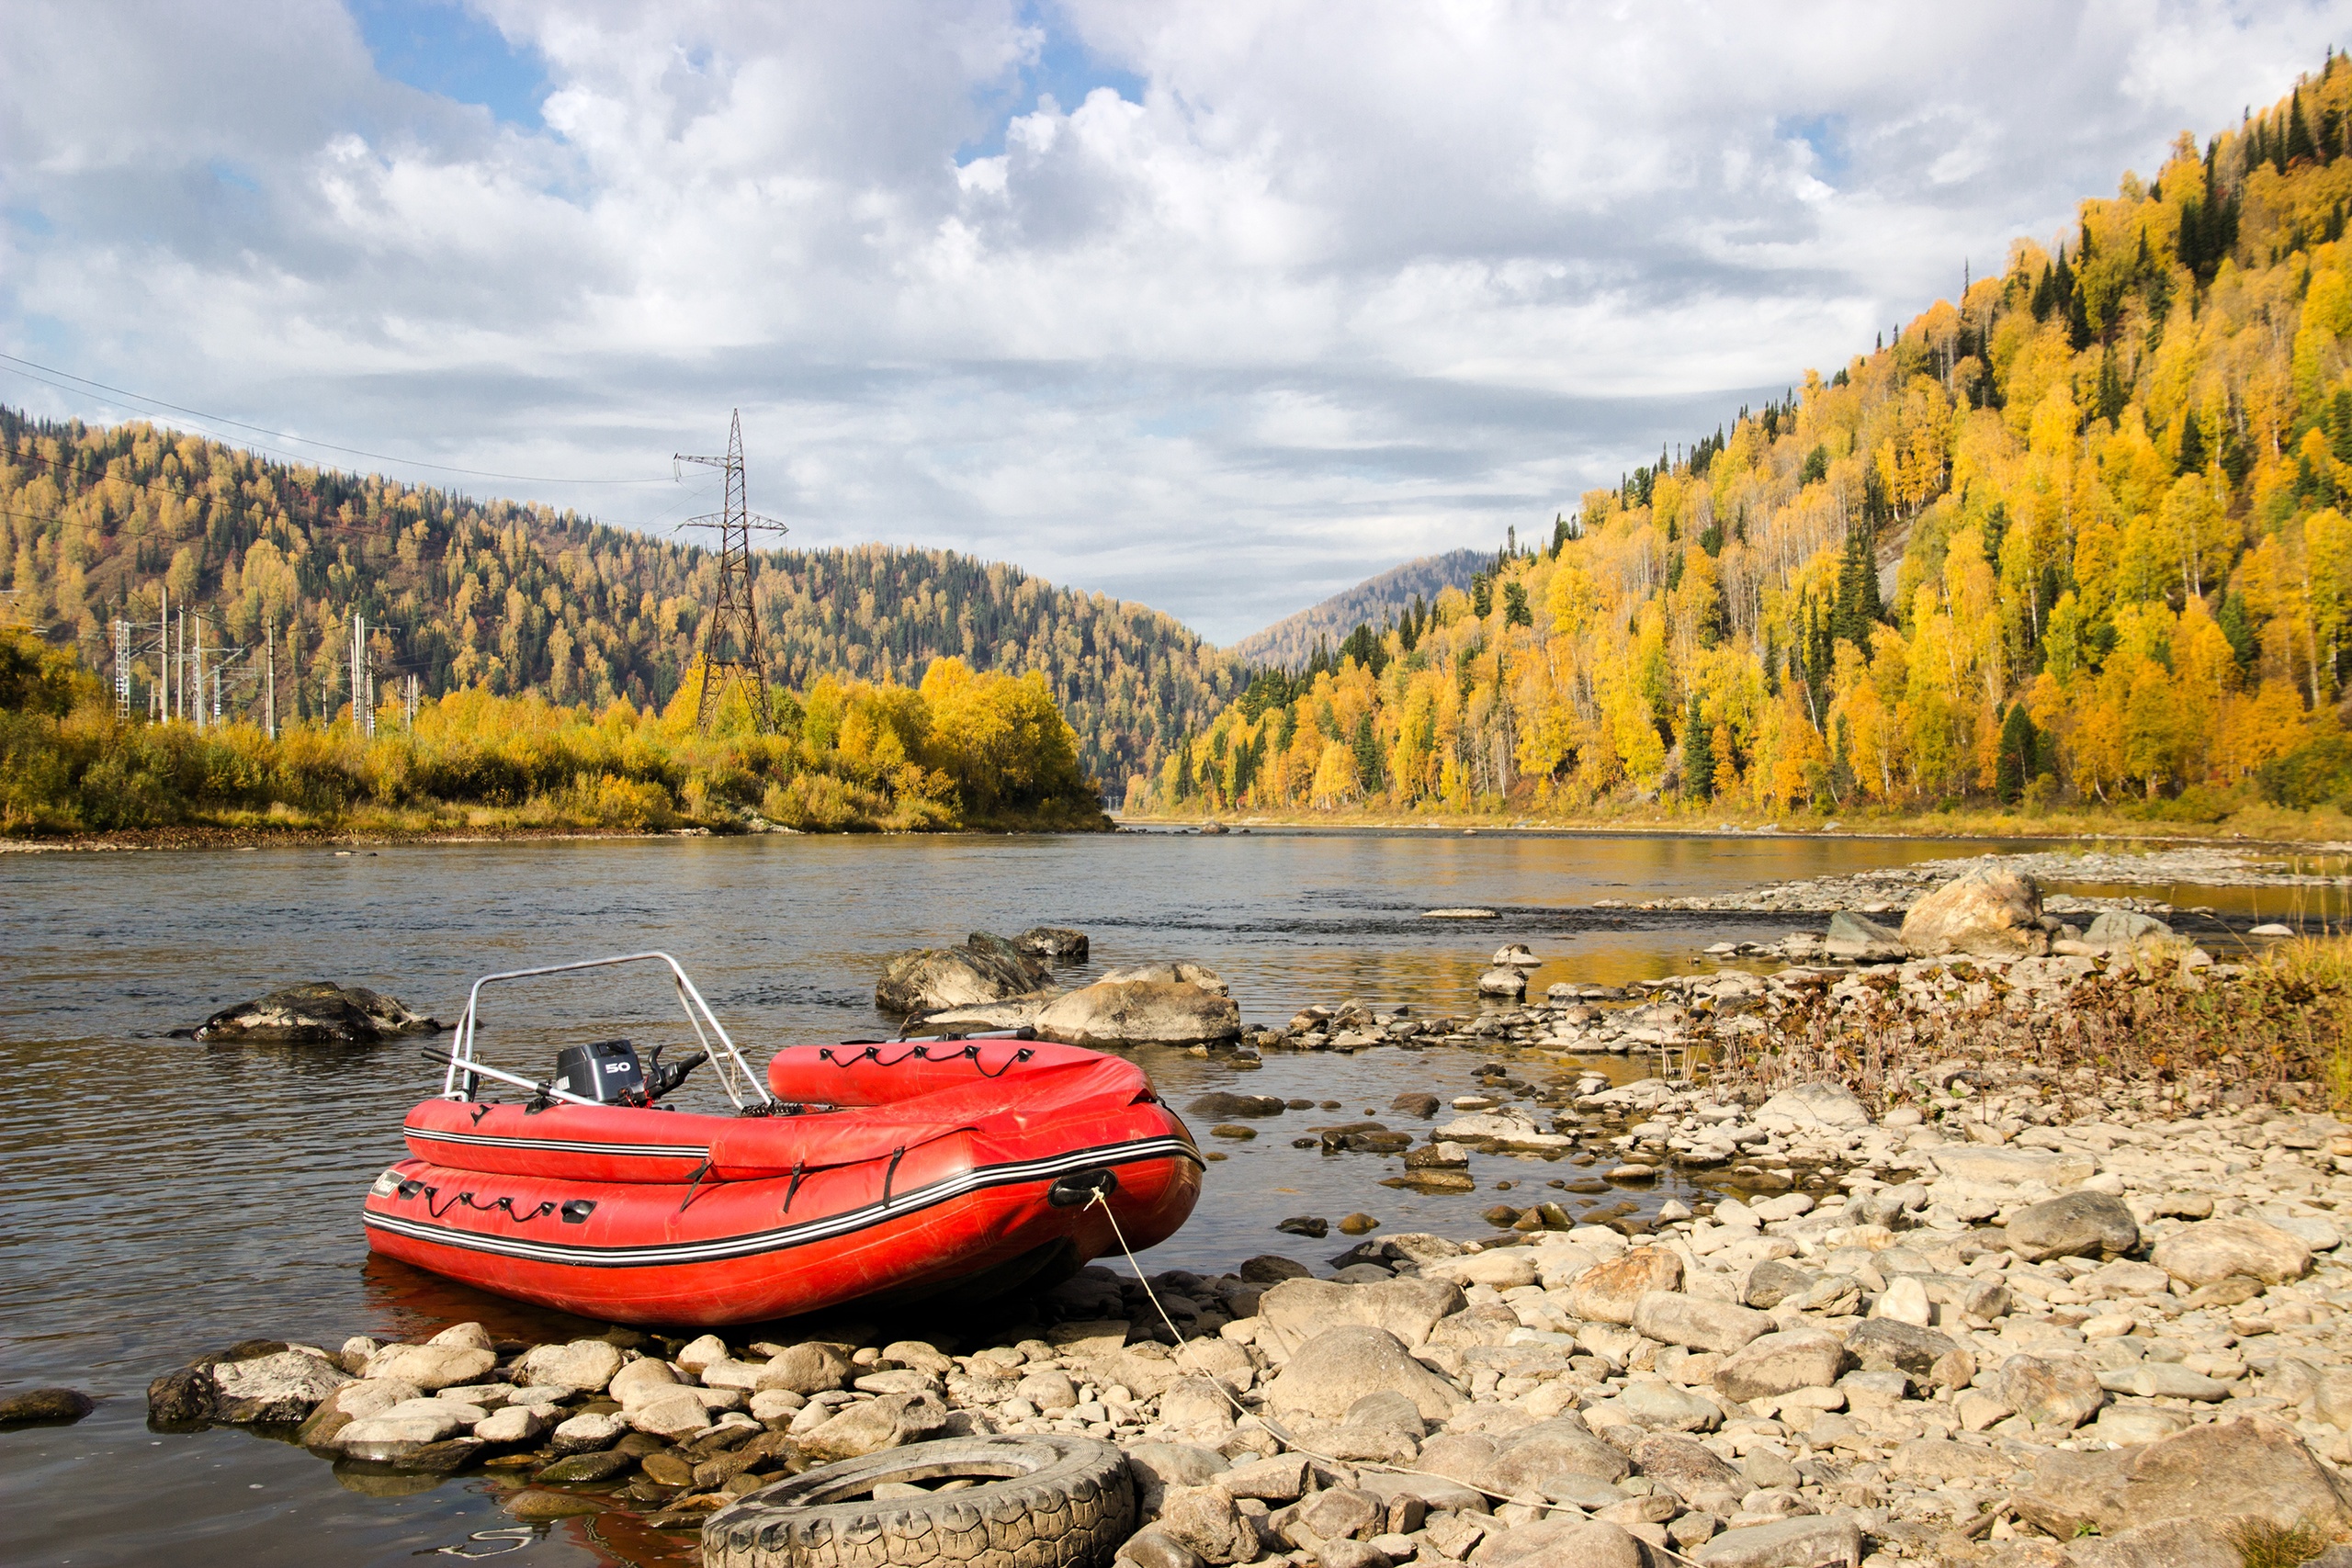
<point x="1140" y="1012"/>
<point x="884" y="1423"/>
<point x="1686" y="1466"/>
<point x="1205" y="1521"/>
<point x="1223" y="1106"/>
<point x="1664" y="1408"/>
<point x="2163" y="1379"/>
<point x="1861" y="940"/>
<point x="1170" y="972"/>
<point x="1297" y="1309"/>
<point x="1052" y="941"/>
<point x="1280" y="1478"/>
<point x="806" y="1369"/>
<point x="1774" y="1364"/>
<point x="2076" y="1224"/>
<point x="2176" y="1543"/>
<point x="1154" y="1548"/>
<point x="586" y="1433"/>
<point x="930" y="979"/>
<point x="1156" y="1467"/>
<point x="587" y="1365"/>
<point x="1697" y="1323"/>
<point x="318" y="1013"/>
<point x="2212" y="1251"/>
<point x="1341" y="1365"/>
<point x="2254" y="1468"/>
<point x="1810" y="1540"/>
<point x="1990" y="912"/>
<point x="275" y="1390"/>
<point x="1048" y="1387"/>
<point x="1772" y="1281"/>
<point x="1536" y="1456"/>
<point x="431" y="1367"/>
<point x="399" y="1432"/>
<point x="1569" y="1543"/>
<point x="1609" y="1291"/>
<point x="1880" y="1343"/>
<point x="2061" y="1392"/>
<point x="45" y="1405"/>
<point x="514" y="1424"/>
<point x="1816" y="1104"/>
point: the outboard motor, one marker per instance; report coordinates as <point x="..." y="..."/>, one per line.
<point x="608" y="1072"/>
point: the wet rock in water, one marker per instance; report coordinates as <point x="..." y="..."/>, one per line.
<point x="58" y="1405"/>
<point x="1057" y="942"/>
<point x="2076" y="1224"/>
<point x="1269" y="1269"/>
<point x="1416" y="1102"/>
<point x="1140" y="1012"/>
<point x="1505" y="983"/>
<point x="317" y="1013"/>
<point x="1170" y="972"/>
<point x="531" y="1505"/>
<point x="1223" y="1107"/>
<point x="1358" y="1224"/>
<point x="574" y="1468"/>
<point x="1232" y="1130"/>
<point x="280" y="1389"/>
<point x="182" y="1398"/>
<point x="1990" y="912"/>
<point x="1309" y="1225"/>
<point x="930" y="979"/>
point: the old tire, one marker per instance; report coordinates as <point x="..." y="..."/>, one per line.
<point x="1043" y="1501"/>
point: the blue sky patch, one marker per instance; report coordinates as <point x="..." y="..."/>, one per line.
<point x="1826" y="134"/>
<point x="442" y="48"/>
<point x="1064" y="71"/>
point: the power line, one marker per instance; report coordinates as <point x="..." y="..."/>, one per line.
<point x="26" y="368"/>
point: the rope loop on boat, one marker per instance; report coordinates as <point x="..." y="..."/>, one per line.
<point x="513" y="1538"/>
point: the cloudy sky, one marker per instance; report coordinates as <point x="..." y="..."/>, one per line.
<point x="1220" y="306"/>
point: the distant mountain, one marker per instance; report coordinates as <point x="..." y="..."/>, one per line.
<point x="1288" y="644"/>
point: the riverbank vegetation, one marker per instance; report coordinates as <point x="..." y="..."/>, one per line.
<point x="962" y="749"/>
<point x="2076" y="544"/>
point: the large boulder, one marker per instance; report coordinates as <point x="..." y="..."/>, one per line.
<point x="1332" y="1371"/>
<point x="1990" y="912"/>
<point x="930" y="979"/>
<point x="1297" y="1310"/>
<point x="1536" y="1457"/>
<point x="1562" y="1539"/>
<point x="1816" y="1541"/>
<point x="2212" y="1251"/>
<point x="319" y="1012"/>
<point x="2079" y="1225"/>
<point x="1140" y="1012"/>
<point x="2252" y="1469"/>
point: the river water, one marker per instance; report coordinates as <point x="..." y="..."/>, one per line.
<point x="160" y="1198"/>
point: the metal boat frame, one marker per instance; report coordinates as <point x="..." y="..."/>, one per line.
<point x="458" y="1078"/>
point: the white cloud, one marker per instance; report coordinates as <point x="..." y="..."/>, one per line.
<point x="1213" y="306"/>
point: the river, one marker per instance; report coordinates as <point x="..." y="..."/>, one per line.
<point x="160" y="1198"/>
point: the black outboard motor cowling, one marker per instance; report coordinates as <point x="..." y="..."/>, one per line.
<point x="606" y="1071"/>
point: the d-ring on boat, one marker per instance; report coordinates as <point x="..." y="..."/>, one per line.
<point x="865" y="1170"/>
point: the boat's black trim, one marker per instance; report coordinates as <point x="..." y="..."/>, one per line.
<point x="722" y="1249"/>
<point x="561" y="1146"/>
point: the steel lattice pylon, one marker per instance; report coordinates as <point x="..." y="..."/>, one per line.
<point x="734" y="620"/>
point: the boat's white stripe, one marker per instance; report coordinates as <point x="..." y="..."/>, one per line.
<point x="719" y="1249"/>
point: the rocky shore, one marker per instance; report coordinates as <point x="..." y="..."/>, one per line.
<point x="1962" y="1280"/>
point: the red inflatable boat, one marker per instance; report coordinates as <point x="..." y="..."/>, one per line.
<point x="879" y="1172"/>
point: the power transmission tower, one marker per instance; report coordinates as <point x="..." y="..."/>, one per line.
<point x="734" y="620"/>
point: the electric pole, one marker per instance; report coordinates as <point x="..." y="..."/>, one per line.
<point x="730" y="634"/>
<point x="121" y="670"/>
<point x="269" y="663"/>
<point x="363" y="695"/>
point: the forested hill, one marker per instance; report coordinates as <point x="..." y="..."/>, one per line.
<point x="1376" y="602"/>
<point x="519" y="598"/>
<point x="2116" y="472"/>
